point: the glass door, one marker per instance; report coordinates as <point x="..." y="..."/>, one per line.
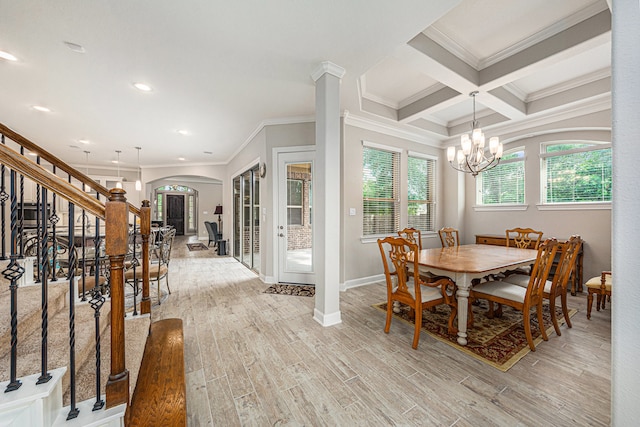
<point x="295" y="218"/>
<point x="246" y="218"/>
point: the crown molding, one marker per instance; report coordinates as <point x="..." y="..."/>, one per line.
<point x="571" y="84"/>
<point x="328" y="67"/>
<point x="388" y="129"/>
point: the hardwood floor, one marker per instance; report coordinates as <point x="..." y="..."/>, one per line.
<point x="258" y="359"/>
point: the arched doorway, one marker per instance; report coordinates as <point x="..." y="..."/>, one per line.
<point x="176" y="205"/>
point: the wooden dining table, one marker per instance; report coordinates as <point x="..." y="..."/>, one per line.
<point x="465" y="263"/>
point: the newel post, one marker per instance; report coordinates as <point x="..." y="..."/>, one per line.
<point x="145" y="230"/>
<point x="116" y="240"/>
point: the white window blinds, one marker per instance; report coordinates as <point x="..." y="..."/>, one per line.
<point x="380" y="201"/>
<point x="577" y="173"/>
<point x="421" y="193"/>
<point x="504" y="184"/>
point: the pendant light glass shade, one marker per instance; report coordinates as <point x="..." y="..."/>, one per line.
<point x="138" y="181"/>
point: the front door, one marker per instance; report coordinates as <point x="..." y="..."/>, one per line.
<point x="295" y="218"/>
<point x="175" y="212"/>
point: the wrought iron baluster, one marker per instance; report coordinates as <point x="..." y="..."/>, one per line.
<point x="73" y="410"/>
<point x="39" y="241"/>
<point x="84" y="256"/>
<point x="96" y="303"/>
<point x="44" y="286"/>
<point x="135" y="263"/>
<point x="13" y="273"/>
<point x="3" y="200"/>
<point x="53" y="220"/>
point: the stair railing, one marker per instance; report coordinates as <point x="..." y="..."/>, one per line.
<point x="53" y="251"/>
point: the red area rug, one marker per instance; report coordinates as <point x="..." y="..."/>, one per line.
<point x="499" y="342"/>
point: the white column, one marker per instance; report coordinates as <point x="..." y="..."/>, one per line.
<point x="625" y="327"/>
<point x="327" y="194"/>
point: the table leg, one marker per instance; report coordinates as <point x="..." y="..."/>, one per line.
<point x="463" y="304"/>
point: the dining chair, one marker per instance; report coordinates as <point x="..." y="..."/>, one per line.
<point x="449" y="237"/>
<point x="557" y="287"/>
<point x="523" y="238"/>
<point x="519" y="298"/>
<point x="601" y="286"/>
<point x="413" y="235"/>
<point x="397" y="255"/>
<point x="158" y="265"/>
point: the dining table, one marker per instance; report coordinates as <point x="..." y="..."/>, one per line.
<point x="465" y="263"/>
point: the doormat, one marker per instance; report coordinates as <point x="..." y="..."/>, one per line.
<point x="296" y="290"/>
<point x="197" y="246"/>
<point x="499" y="342"/>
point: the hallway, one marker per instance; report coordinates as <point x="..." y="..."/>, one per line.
<point x="260" y="359"/>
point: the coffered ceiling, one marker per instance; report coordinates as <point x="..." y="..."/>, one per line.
<point x="220" y="70"/>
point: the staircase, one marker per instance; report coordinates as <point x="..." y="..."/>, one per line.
<point x="44" y="381"/>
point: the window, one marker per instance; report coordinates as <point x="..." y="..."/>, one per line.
<point x="380" y="199"/>
<point x="576" y="173"/>
<point x="421" y="192"/>
<point x="504" y="184"/>
<point x="294" y="197"/>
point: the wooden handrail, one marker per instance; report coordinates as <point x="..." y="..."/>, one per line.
<point x="37" y="173"/>
<point x="55" y="161"/>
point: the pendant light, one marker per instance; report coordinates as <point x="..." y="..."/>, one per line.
<point x="119" y="183"/>
<point x="138" y="181"/>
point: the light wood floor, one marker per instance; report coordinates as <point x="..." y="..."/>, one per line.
<point x="259" y="359"/>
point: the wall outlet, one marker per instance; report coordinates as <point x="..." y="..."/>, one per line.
<point x="352" y="211"/>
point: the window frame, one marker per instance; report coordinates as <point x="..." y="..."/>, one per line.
<point x="432" y="189"/>
<point x="301" y="206"/>
<point x="395" y="199"/>
<point x="479" y="202"/>
<point x="573" y="205"/>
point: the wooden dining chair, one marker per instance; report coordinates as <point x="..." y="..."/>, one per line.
<point x="557" y="286"/>
<point x="397" y="255"/>
<point x="413" y="235"/>
<point x="601" y="286"/>
<point x="522" y="299"/>
<point x="449" y="237"/>
<point x="524" y="238"/>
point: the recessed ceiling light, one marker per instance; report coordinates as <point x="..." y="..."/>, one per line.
<point x="115" y="162"/>
<point x="83" y="141"/>
<point x="7" y="56"/>
<point x="41" y="108"/>
<point x="181" y="158"/>
<point x="142" y="86"/>
<point x="31" y="153"/>
<point x="183" y="131"/>
<point x="75" y="47"/>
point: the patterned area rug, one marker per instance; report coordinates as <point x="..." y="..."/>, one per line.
<point x="197" y="246"/>
<point x="297" y="290"/>
<point x="499" y="342"/>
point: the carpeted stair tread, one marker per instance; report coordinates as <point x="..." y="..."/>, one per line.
<point x="136" y="332"/>
<point x="29" y="304"/>
<point x="29" y="347"/>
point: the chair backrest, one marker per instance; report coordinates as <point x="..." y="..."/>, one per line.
<point x="540" y="272"/>
<point x="569" y="252"/>
<point x="164" y="251"/>
<point x="412" y="235"/>
<point x="524" y="238"/>
<point x="212" y="229"/>
<point x="449" y="237"/>
<point x="398" y="252"/>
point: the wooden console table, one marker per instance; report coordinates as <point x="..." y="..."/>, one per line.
<point x="576" y="276"/>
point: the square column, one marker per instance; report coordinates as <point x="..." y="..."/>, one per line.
<point x="327" y="195"/>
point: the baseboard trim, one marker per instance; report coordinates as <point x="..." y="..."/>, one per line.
<point x="361" y="282"/>
<point x="326" y="319"/>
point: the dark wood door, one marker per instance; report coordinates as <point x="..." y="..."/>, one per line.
<point x="175" y="212"/>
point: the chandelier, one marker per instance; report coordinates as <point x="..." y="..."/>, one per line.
<point x="472" y="157"/>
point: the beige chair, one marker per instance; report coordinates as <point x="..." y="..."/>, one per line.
<point x="449" y="237"/>
<point x="601" y="286"/>
<point x="158" y="265"/>
<point x="409" y="289"/>
<point x="522" y="299"/>
<point x="557" y="287"/>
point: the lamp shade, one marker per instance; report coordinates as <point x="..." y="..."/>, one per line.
<point x="218" y="210"/>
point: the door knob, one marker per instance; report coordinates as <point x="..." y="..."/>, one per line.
<point x="281" y="235"/>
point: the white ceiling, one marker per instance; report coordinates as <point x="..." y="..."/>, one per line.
<point x="220" y="69"/>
